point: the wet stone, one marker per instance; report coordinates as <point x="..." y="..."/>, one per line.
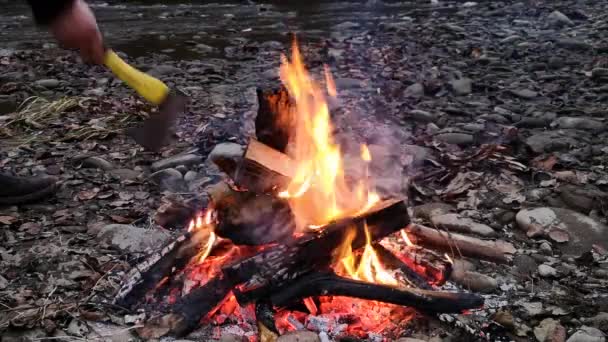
<point x="185" y="159"/>
<point x="455" y="138"/>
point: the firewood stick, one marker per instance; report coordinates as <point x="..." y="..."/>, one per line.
<point x="492" y="250"/>
<point x="319" y="284"/>
<point x="392" y="261"/>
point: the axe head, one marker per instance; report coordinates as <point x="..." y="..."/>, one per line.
<point x="156" y="131"/>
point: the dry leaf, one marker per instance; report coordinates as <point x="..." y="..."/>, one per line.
<point x="86" y="195"/>
<point x="7" y="220"/>
<point x="546" y="164"/>
<point x="31" y="228"/>
<point x="120" y="219"/>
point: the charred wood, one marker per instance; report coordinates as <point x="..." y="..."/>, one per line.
<point x="169" y="260"/>
<point x="275" y="119"/>
<point x="393" y="262"/>
<point x="320" y="284"/>
<point x="280" y="265"/>
<point x="491" y="250"/>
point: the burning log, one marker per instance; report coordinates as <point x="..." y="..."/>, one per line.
<point x="492" y="250"/>
<point x="410" y="276"/>
<point x="275" y="119"/>
<point x="318" y="284"/>
<point x="280" y="265"/>
<point x="170" y="259"/>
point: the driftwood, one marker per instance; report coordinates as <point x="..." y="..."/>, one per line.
<point x="492" y="250"/>
<point x="281" y="265"/>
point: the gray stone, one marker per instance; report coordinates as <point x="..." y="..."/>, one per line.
<point x="549" y="330"/>
<point x="164" y="70"/>
<point x="428" y="210"/>
<point x="599" y="73"/>
<point x="125" y="174"/>
<point x="546" y="271"/>
<point x="204" y="48"/>
<point x="183" y="159"/>
<point x="415" y="90"/>
<point x="599" y="321"/>
<point x="50" y="83"/>
<point x="132" y="239"/>
<point x="3" y="283"/>
<point x="348" y="83"/>
<point x="169" y="179"/>
<point x="545" y="248"/>
<point x="423" y="116"/>
<point x="532" y="308"/>
<point x="579" y="123"/>
<point x="524" y="93"/>
<point x="190" y="176"/>
<point x="299" y="336"/>
<point x="227" y="156"/>
<point x="455" y="138"/>
<point x="98" y="163"/>
<point x="455" y="222"/>
<point x="581" y="231"/>
<point x="559" y="19"/>
<point x="573" y="44"/>
<point x="550" y="141"/>
<point x="462" y="86"/>
<point x="587" y="334"/>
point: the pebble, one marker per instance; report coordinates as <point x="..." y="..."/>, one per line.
<point x="579" y="123"/>
<point x="227" y="156"/>
<point x="164" y="70"/>
<point x="299" y="336"/>
<point x="50" y="83"/>
<point x="550" y="141"/>
<point x="169" y="179"/>
<point x="455" y="222"/>
<point x="524" y="93"/>
<point x="455" y="138"/>
<point x="97" y="162"/>
<point x="462" y="86"/>
<point x="587" y="334"/>
<point x="423" y="116"/>
<point x="546" y="271"/>
<point x="190" y="176"/>
<point x="125" y="174"/>
<point x="415" y="90"/>
<point x="184" y="159"/>
<point x="132" y="239"/>
<point x="545" y="247"/>
<point x="559" y="19"/>
<point x="573" y="44"/>
<point x="550" y="330"/>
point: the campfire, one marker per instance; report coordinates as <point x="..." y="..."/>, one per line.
<point x="295" y="238"/>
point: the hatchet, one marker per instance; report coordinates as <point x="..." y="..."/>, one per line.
<point x="156" y="130"/>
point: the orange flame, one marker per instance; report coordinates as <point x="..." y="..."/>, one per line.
<point x="406" y="239"/>
<point x="369" y="268"/>
<point x="318" y="192"/>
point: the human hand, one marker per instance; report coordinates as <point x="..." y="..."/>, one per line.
<point x="76" y="28"/>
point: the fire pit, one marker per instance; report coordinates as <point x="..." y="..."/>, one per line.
<point x="294" y="237"/>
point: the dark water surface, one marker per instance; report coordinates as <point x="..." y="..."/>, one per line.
<point x="176" y="28"/>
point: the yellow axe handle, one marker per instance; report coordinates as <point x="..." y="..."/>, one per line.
<point x="152" y="89"/>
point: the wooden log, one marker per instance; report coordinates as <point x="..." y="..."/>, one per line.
<point x="492" y="250"/>
<point x="408" y="274"/>
<point x="280" y="265"/>
<point x="264" y="169"/>
<point x="274" y="123"/>
<point x="160" y="264"/>
<point x="318" y="284"/>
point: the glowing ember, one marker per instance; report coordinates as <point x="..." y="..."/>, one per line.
<point x="318" y="191"/>
<point x="406" y="239"/>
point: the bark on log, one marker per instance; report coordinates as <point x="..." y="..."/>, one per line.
<point x="491" y="250"/>
<point x="275" y="120"/>
<point x="319" y="284"/>
<point x="280" y="265"/>
<point x="393" y="262"/>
